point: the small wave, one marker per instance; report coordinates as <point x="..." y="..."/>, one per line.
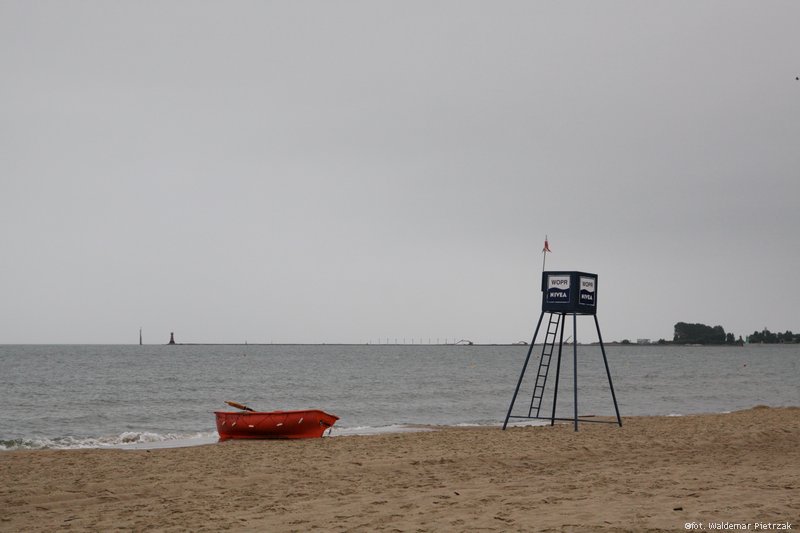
<point x="526" y="423"/>
<point x="377" y="430"/>
<point x="127" y="439"/>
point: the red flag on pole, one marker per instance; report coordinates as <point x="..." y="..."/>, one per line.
<point x="544" y="251"/>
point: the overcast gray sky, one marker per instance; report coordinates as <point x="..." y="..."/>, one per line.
<point x="355" y="171"/>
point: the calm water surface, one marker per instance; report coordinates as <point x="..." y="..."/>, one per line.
<point x="78" y="396"/>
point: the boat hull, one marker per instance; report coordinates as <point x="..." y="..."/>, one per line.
<point x="305" y="424"/>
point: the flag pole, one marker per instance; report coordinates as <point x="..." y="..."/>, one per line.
<point x="544" y="252"/>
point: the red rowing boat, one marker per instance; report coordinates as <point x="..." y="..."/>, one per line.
<point x="304" y="424"/>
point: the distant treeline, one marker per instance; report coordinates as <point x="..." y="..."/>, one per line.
<point x="702" y="334"/>
<point x="767" y="337"/>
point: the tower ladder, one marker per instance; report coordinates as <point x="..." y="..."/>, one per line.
<point x="544" y="364"/>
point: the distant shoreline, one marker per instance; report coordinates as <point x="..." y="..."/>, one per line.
<point x="476" y="344"/>
<point x="613" y="343"/>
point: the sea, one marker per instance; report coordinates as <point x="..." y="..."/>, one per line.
<point x="134" y="396"/>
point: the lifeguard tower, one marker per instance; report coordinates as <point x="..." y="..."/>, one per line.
<point x="564" y="293"/>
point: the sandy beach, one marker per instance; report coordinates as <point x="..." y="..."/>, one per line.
<point x="738" y="470"/>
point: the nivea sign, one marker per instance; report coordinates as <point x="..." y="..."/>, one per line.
<point x="558" y="289"/>
<point x="586" y="290"/>
<point x="569" y="292"/>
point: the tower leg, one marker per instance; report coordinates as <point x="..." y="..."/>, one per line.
<point x="558" y="369"/>
<point x="575" y="364"/>
<point x="524" y="367"/>
<point x="608" y="372"/>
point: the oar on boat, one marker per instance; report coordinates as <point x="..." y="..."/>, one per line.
<point x="239" y="406"/>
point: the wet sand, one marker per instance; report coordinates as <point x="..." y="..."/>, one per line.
<point x="653" y="474"/>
